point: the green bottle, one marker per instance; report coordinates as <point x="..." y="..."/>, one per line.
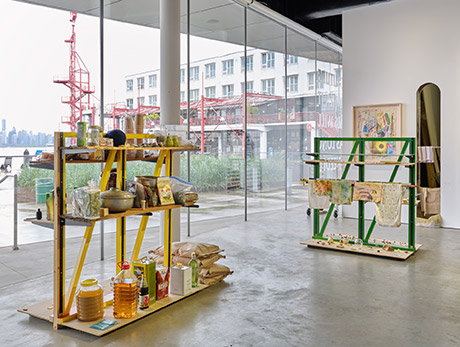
<point x="194" y="265"/>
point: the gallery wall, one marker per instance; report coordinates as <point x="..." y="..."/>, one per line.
<point x="389" y="51"/>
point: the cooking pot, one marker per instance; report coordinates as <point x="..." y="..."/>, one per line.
<point x="117" y="200"/>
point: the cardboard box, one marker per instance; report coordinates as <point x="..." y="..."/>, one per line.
<point x="162" y="285"/>
<point x="149" y="271"/>
<point x="181" y="280"/>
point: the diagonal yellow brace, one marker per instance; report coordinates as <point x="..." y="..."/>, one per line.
<point x="78" y="267"/>
<point x="159" y="164"/>
<point x="139" y="239"/>
<point x="107" y="169"/>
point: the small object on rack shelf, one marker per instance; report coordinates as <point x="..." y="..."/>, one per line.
<point x="143" y="204"/>
<point x="94" y="133"/>
<point x="90" y="301"/>
<point x="181" y="280"/>
<point x="39" y="214"/>
<point x="118" y="137"/>
<point x="104" y="212"/>
<point x="143" y="294"/>
<point x="116" y="200"/>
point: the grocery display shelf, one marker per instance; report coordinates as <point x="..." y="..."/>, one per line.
<point x="129" y="212"/>
<point x="44" y="310"/>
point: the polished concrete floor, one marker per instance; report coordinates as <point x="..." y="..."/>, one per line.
<point x="281" y="293"/>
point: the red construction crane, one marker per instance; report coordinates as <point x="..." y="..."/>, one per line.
<point x="78" y="81"/>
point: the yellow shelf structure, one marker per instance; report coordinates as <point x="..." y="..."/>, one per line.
<point x="63" y="298"/>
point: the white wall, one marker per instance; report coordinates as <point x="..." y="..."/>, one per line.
<point x="389" y="51"/>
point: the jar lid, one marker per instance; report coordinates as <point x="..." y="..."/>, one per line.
<point x="89" y="282"/>
<point x="116" y="193"/>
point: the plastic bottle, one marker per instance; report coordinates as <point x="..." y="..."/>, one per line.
<point x="125" y="293"/>
<point x="143" y="294"/>
<point x="90" y="301"/>
<point x="194" y="265"/>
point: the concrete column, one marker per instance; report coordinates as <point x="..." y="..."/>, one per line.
<point x="170" y="84"/>
<point x="263" y="144"/>
<point x="220" y="144"/>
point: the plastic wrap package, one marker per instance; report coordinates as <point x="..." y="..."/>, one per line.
<point x="87" y="201"/>
<point x="183" y="191"/>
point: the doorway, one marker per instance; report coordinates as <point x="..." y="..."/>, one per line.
<point x="429" y="150"/>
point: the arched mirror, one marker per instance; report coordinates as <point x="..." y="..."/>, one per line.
<point x="429" y="150"/>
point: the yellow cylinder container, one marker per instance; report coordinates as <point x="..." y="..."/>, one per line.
<point x="90" y="301"/>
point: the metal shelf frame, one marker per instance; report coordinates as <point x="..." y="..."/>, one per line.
<point x="358" y="150"/>
<point x="63" y="299"/>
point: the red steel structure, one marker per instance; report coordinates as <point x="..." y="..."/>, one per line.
<point x="78" y="81"/>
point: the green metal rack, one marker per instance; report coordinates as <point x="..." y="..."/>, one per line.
<point x="358" y="150"/>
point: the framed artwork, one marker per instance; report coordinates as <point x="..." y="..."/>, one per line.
<point x="378" y="121"/>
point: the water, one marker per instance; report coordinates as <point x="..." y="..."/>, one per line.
<point x="17" y="162"/>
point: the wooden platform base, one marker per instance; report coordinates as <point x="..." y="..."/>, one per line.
<point x="366" y="250"/>
<point x="44" y="310"/>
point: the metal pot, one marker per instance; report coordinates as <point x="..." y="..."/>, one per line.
<point x="116" y="200"/>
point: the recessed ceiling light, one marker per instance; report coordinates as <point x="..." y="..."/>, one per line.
<point x="213" y="21"/>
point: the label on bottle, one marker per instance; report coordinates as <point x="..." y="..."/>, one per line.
<point x="144" y="301"/>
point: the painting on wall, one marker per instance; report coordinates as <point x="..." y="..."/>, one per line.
<point x="378" y="121"/>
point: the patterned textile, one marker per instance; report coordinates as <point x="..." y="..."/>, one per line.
<point x="342" y="192"/>
<point x="322" y="187"/>
<point x="388" y="211"/>
<point x="316" y="201"/>
<point x="367" y="191"/>
<point x="425" y="154"/>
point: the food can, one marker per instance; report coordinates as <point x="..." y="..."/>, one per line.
<point x="81" y="134"/>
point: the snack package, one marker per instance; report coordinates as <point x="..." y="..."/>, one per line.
<point x="183" y="191"/>
<point x="165" y="191"/>
<point x="87" y="201"/>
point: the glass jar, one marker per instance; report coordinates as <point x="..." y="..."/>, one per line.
<point x="90" y="301"/>
<point x="94" y="134"/>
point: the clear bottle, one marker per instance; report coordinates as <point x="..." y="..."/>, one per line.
<point x="194" y="265"/>
<point x="143" y="293"/>
<point x="125" y="293"/>
<point x="90" y="301"/>
<point x="93" y="135"/>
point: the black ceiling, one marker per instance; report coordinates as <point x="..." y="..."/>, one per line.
<point x="322" y="16"/>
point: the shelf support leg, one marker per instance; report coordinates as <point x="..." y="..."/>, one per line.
<point x="159" y="164"/>
<point x="139" y="239"/>
<point x="121" y="222"/>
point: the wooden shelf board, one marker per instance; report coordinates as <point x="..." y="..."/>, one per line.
<point x="366" y="250"/>
<point x="358" y="162"/>
<point x="44" y="310"/>
<point x="130" y="212"/>
<point x="125" y="148"/>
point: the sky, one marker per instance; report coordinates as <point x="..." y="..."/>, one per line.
<point x="33" y="51"/>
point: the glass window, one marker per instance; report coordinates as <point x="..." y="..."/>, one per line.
<point x="194" y="73"/>
<point x="210" y="70"/>
<point x="141" y="101"/>
<point x="292" y="85"/>
<point x="227" y="91"/>
<point x="129" y="85"/>
<point x="140" y="83"/>
<point x="182" y="96"/>
<point x="152" y="100"/>
<point x="227" y="67"/>
<point x="210" y="92"/>
<point x="249" y="87"/>
<point x="292" y="59"/>
<point x="129" y="103"/>
<point x="153" y="81"/>
<point x="249" y="63"/>
<point x="194" y="94"/>
<point x="268" y="86"/>
<point x="311" y="80"/>
<point x="268" y="60"/>
<point x="182" y="75"/>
